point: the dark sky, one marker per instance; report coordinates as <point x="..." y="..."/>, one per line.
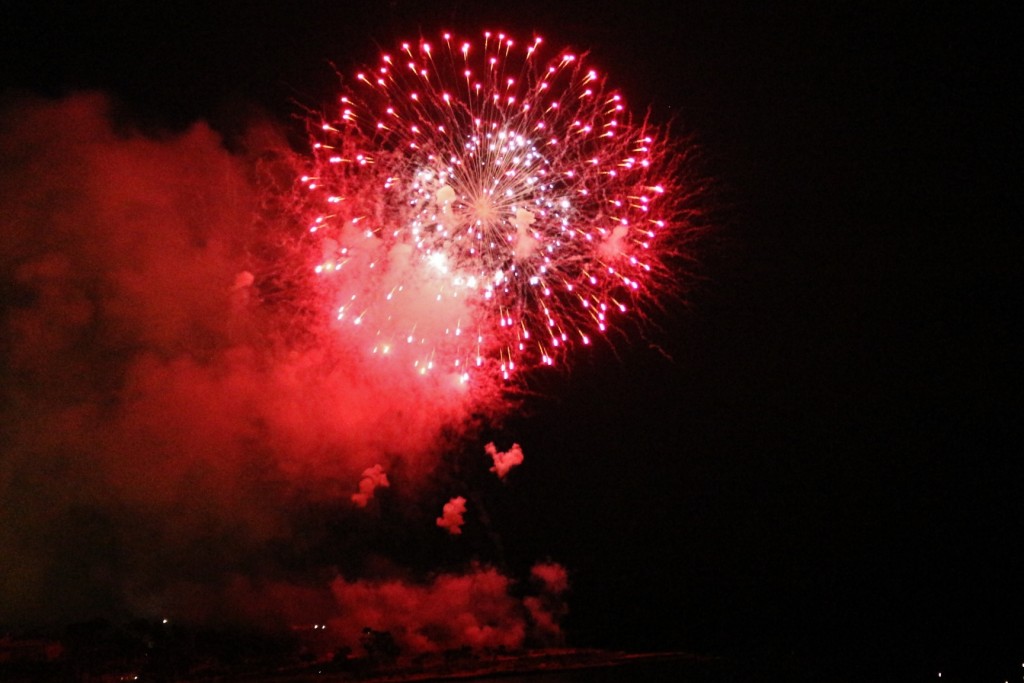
<point x="826" y="468"/>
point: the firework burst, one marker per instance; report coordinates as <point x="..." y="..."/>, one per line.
<point x="479" y="207"/>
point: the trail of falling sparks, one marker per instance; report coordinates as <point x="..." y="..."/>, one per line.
<point x="481" y="208"/>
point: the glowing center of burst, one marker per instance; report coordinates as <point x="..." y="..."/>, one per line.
<point x="483" y="209"/>
<point x="438" y="261"/>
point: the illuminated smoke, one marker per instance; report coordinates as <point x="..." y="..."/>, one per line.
<point x="452" y="610"/>
<point x="162" y="426"/>
<point x="477" y="607"/>
<point x="503" y="462"/>
<point x="451" y="516"/>
<point x="548" y="606"/>
<point x="372" y="478"/>
<point x="552" y="577"/>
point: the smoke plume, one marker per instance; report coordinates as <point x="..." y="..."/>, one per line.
<point x="165" y="430"/>
<point x="503" y="462"/>
<point x="451" y="610"/>
<point x="372" y="478"/>
<point x="452" y="515"/>
<point x="548" y="605"/>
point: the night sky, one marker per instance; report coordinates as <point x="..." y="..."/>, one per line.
<point x="810" y="458"/>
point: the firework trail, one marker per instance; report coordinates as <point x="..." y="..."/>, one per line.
<point x="476" y="207"/>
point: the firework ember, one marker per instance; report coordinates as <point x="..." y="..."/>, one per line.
<point x="478" y="206"/>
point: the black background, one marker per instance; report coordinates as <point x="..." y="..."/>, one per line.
<point x="825" y="472"/>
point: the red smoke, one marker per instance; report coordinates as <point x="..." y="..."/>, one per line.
<point x="548" y="606"/>
<point x="452" y="610"/>
<point x="475" y="608"/>
<point x="372" y="478"/>
<point x="503" y="462"/>
<point x="452" y="515"/>
<point x="161" y="422"/>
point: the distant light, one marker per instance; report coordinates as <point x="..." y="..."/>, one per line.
<point x="165" y="621"/>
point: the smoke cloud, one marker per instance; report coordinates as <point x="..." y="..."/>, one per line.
<point x="472" y="609"/>
<point x="164" y="429"/>
<point x="548" y="606"/>
<point x="503" y="462"/>
<point x="372" y="478"/>
<point x="452" y="515"/>
<point x="479" y="607"/>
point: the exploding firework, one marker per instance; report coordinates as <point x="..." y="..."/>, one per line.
<point x="478" y="207"/>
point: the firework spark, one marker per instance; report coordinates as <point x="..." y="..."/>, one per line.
<point x="478" y="206"/>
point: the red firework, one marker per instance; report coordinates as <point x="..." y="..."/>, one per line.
<point x="480" y="207"/>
